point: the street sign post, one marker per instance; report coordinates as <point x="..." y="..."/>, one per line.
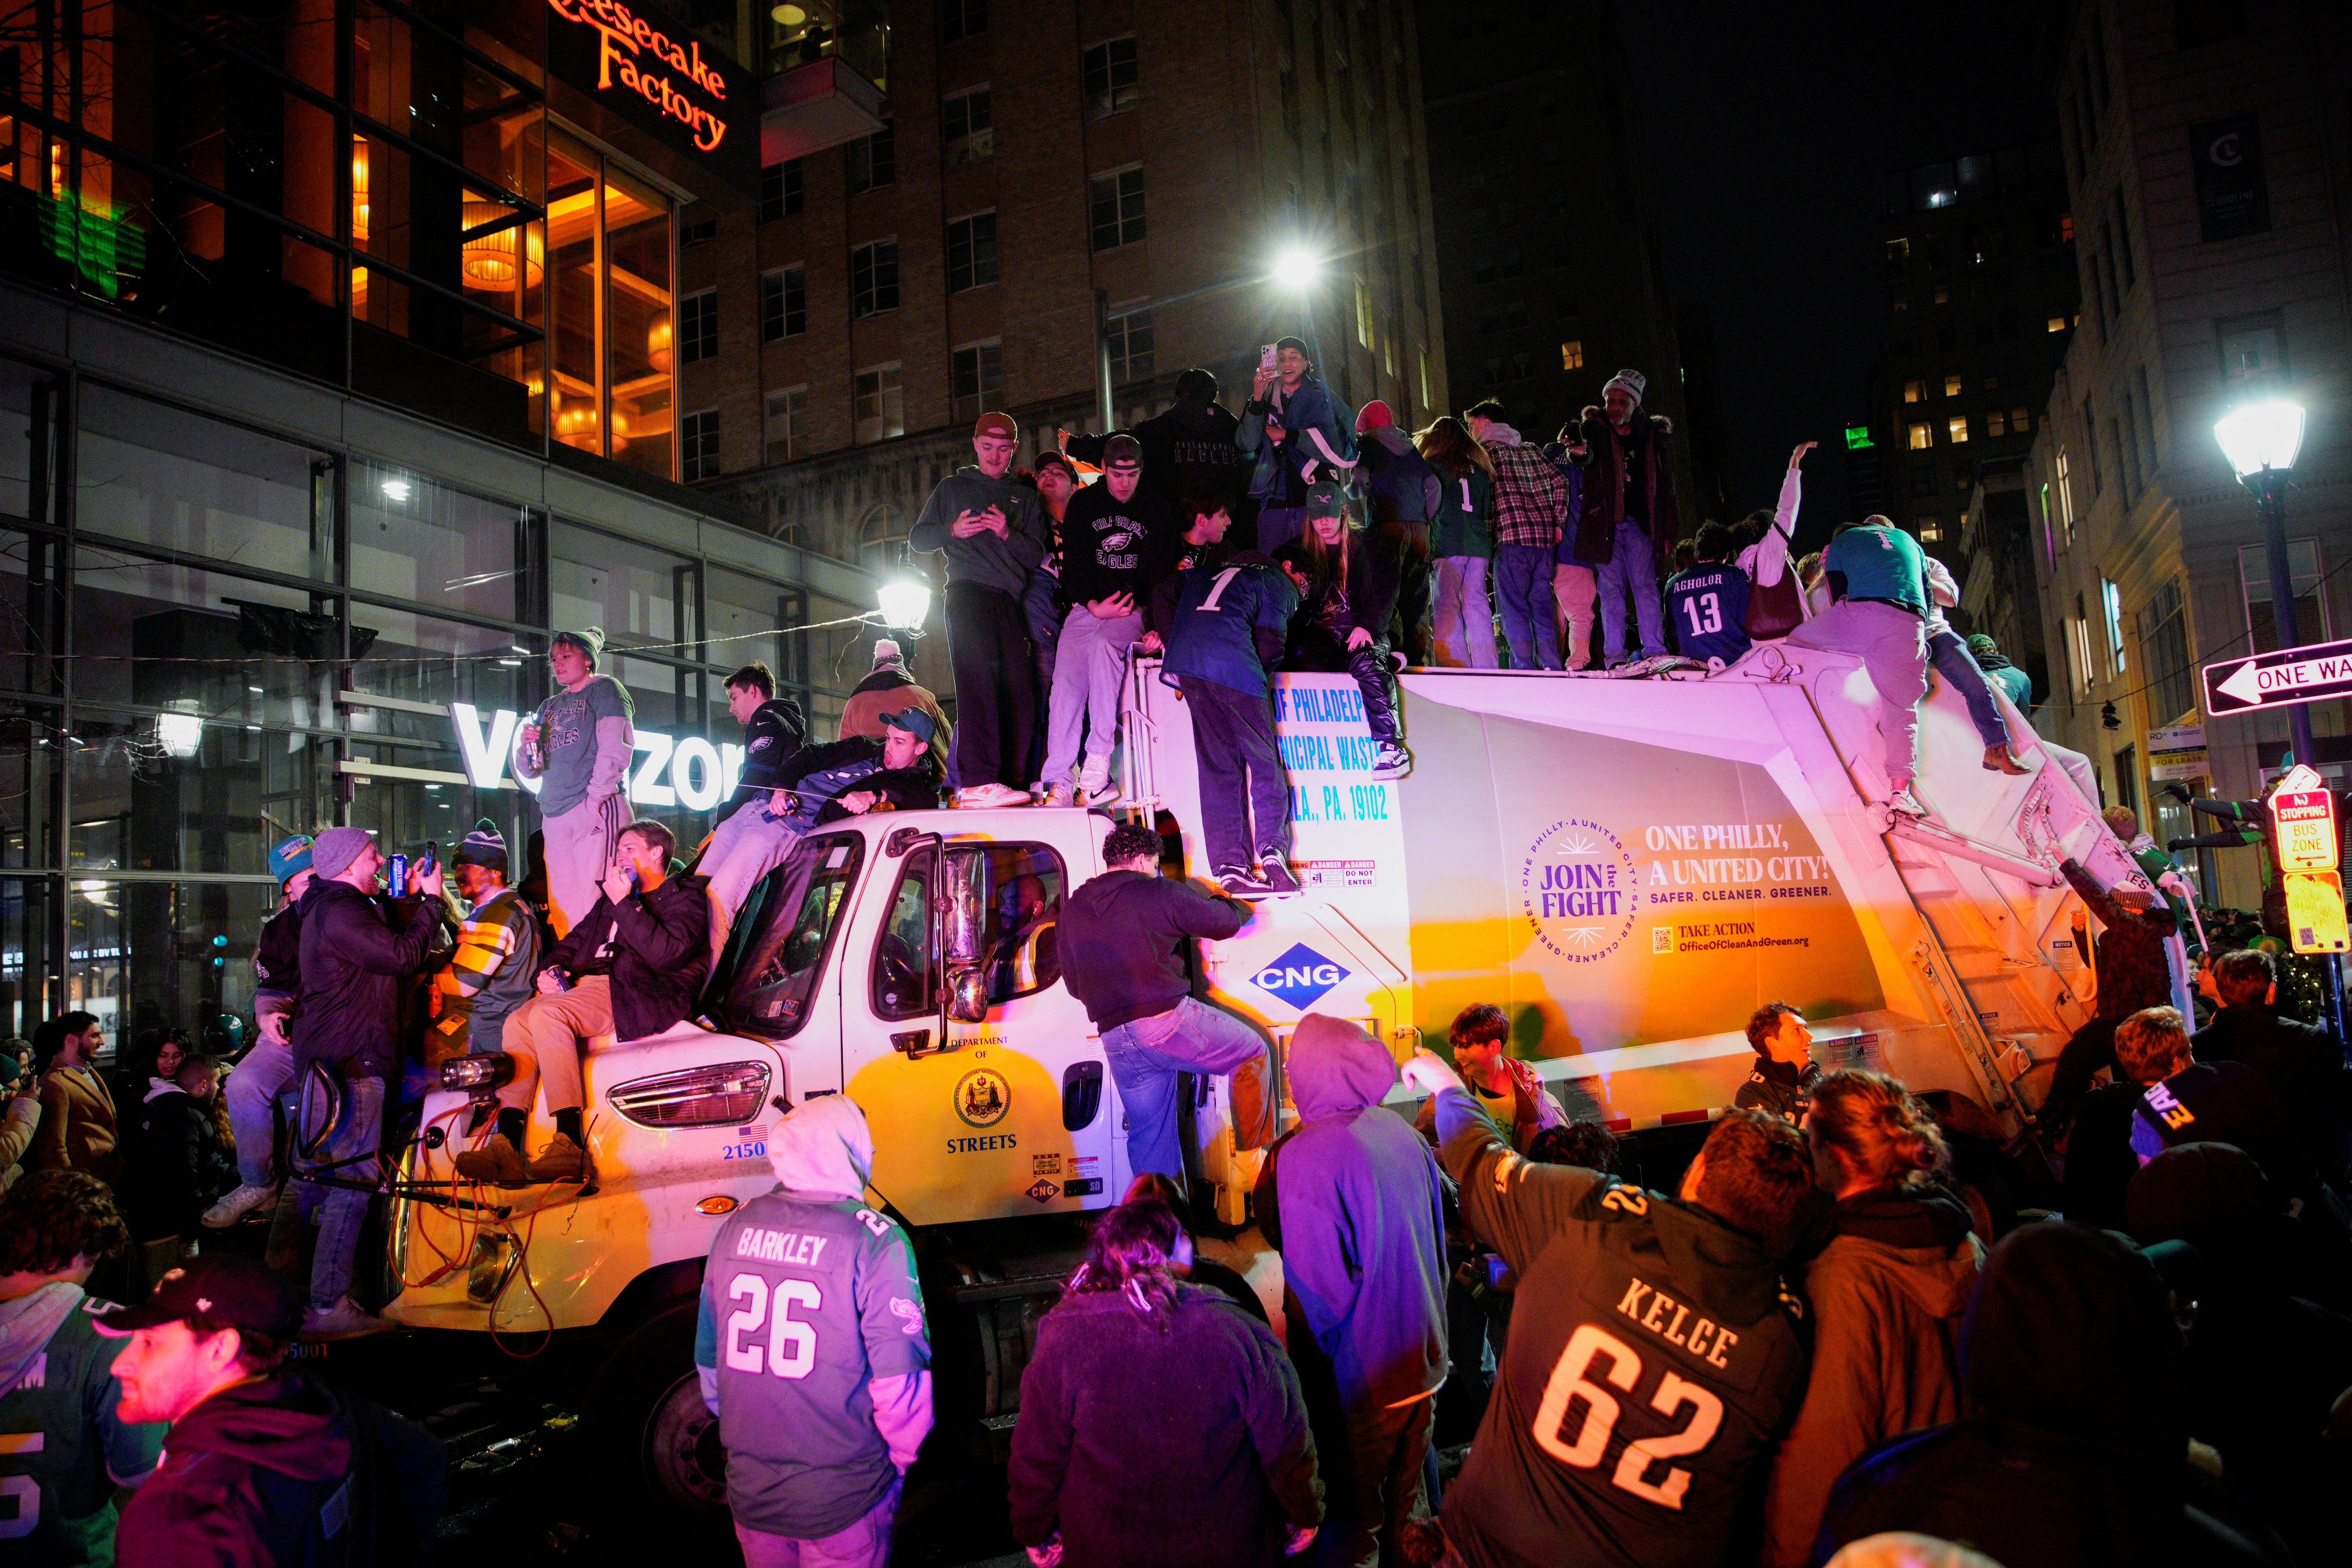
<point x="2304" y="837"/>
<point x="2281" y="679"/>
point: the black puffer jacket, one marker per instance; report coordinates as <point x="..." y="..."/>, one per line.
<point x="359" y="954"/>
<point x="656" y="948"/>
<point x="172" y="1166"/>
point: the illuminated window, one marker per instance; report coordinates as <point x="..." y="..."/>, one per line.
<point x="975" y="380"/>
<point x="967" y="127"/>
<point x="2066" y="498"/>
<point x="1957" y="428"/>
<point x="2078" y="648"/>
<point x="1952" y="385"/>
<point x="783" y="303"/>
<point x="1943" y="295"/>
<point x="2310" y="604"/>
<point x="2020" y="420"/>
<point x="1111" y="82"/>
<point x="971" y="252"/>
<point x="1915" y="392"/>
<point x="1931" y="529"/>
<point x="878" y="409"/>
<point x="1571" y="354"/>
<point x="874" y="279"/>
<point x="1996" y="422"/>
<point x="2055" y="324"/>
<point x="1921" y="436"/>
<point x="698" y="446"/>
<point x="2111" y="610"/>
<point x="1364" y="312"/>
<point x="698" y="326"/>
<point x="611" y="332"/>
<point x="2066" y="228"/>
<point x="787" y="423"/>
<point x="1900" y="302"/>
<point x="1898" y="258"/>
<point x="1115" y="200"/>
<point x="1131" y="355"/>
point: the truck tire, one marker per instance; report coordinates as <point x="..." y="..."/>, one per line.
<point x="657" y="1440"/>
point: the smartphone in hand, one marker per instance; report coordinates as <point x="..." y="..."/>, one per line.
<point x="1265" y="358"/>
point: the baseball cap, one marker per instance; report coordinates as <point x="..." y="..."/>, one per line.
<point x="222" y="1286"/>
<point x="994" y="424"/>
<point x="1980" y="643"/>
<point x="915" y="722"/>
<point x="289" y="857"/>
<point x="1324" y="499"/>
<point x="1122" y="451"/>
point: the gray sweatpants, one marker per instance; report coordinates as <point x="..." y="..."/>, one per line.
<point x="743" y="849"/>
<point x="1894" y="647"/>
<point x="579" y="848"/>
<point x="1089" y="662"/>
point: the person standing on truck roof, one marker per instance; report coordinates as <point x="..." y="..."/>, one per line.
<point x="813" y="1352"/>
<point x="1626" y="528"/>
<point x="1530" y="496"/>
<point x="1708" y="603"/>
<point x="1056" y="480"/>
<point x="1353" y="1200"/>
<point x="263" y="1073"/>
<point x="1462" y="537"/>
<point x="987" y="527"/>
<point x="578" y="745"/>
<point x="1189" y="447"/>
<point x="1879" y="581"/>
<point x="1347" y="582"/>
<point x="1111" y="535"/>
<point x="1125" y="942"/>
<point x="747" y="843"/>
<point x="632" y="968"/>
<point x="1654" y="1357"/>
<point x="1224" y="637"/>
<point x="2014" y="682"/>
<point x="1782" y="1083"/>
<point x="1776" y="599"/>
<point x="2132" y="973"/>
<point x="1951" y="659"/>
<point x="1298" y="431"/>
<point x="1402" y="496"/>
<point x="490" y="973"/>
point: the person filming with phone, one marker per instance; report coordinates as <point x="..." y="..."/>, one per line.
<point x="631" y="968"/>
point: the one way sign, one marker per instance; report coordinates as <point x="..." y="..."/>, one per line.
<point x="2278" y="679"/>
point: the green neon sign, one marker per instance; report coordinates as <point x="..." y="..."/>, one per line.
<point x="1857" y="438"/>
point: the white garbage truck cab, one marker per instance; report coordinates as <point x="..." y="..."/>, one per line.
<point x="1629" y="868"/>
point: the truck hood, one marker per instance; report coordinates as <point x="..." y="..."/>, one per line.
<point x="823" y="1147"/>
<point x="1334" y="1066"/>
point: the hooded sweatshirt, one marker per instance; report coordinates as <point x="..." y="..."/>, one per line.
<point x="811" y="1343"/>
<point x="983" y="559"/>
<point x="1888" y="1294"/>
<point x="58" y="1386"/>
<point x="261" y="1474"/>
<point x="1127" y="941"/>
<point x="1188" y="448"/>
<point x="1354" y="1202"/>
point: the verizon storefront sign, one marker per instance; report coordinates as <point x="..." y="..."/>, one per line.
<point x="665" y="772"/>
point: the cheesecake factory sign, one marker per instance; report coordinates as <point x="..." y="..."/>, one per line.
<point x="697" y="100"/>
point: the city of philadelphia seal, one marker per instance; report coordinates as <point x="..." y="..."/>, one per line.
<point x="982" y="1097"/>
<point x="1579" y="891"/>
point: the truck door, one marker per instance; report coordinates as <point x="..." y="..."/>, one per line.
<point x="978" y="1072"/>
<point x="787" y="989"/>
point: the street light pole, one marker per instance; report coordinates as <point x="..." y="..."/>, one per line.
<point x="1103" y="395"/>
<point x="2269" y="485"/>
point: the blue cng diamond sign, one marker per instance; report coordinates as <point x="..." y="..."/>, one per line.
<point x="1299" y="976"/>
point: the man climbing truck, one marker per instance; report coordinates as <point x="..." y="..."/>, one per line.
<point x="1630" y="867"/>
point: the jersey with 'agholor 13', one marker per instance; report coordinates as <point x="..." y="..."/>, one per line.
<point x="1654" y="1360"/>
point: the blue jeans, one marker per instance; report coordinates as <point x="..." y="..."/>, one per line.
<point x="1530" y="622"/>
<point x="259" y="1077"/>
<point x="1146" y="1056"/>
<point x="358" y="1135"/>
<point x="1953" y="661"/>
<point x="1632" y="564"/>
<point x="1278" y="526"/>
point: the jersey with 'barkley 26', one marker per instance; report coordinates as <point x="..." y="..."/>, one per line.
<point x="1653" y="1360"/>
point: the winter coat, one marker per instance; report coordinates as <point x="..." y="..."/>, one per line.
<point x="1355" y="1203"/>
<point x="892" y="692"/>
<point x="1147" y="1442"/>
<point x="1316" y="444"/>
<point x="1464" y="524"/>
<point x="78" y="1125"/>
<point x="1126" y="939"/>
<point x="1783" y="1091"/>
<point x="1604" y="486"/>
<point x="277" y="960"/>
<point x="1400" y="489"/>
<point x="818" y="776"/>
<point x="773" y="732"/>
<point x="173" y="1166"/>
<point x="656" y="948"/>
<point x="17" y="1129"/>
<point x="1189" y="448"/>
<point x="261" y="1474"/>
<point x="358" y="957"/>
<point x="2130" y="963"/>
<point x="1375" y="573"/>
<point x="983" y="559"/>
<point x="1887" y="1295"/>
<point x="2123" y="1126"/>
<point x="2302" y="1064"/>
<point x="1229" y="624"/>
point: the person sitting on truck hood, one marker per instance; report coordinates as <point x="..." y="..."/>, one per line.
<point x="632" y="967"/>
<point x="1879" y="579"/>
<point x="1782" y="1083"/>
<point x="823" y="1389"/>
<point x="1125" y="942"/>
<point x="2133" y="973"/>
<point x="1354" y="1202"/>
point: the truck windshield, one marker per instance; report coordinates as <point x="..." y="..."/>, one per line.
<point x="772" y="991"/>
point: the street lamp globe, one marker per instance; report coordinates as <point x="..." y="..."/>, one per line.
<point x="904" y="603"/>
<point x="1298" y="269"/>
<point x="2261" y="436"/>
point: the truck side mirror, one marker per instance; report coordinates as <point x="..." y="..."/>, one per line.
<point x="964" y="930"/>
<point x="967" y="996"/>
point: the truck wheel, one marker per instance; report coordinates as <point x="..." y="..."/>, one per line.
<point x="657" y="1438"/>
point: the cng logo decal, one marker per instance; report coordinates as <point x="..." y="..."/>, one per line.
<point x="983" y="1098"/>
<point x="1299" y="976"/>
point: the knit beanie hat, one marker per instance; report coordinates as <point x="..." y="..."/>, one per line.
<point x="1980" y="645"/>
<point x="1374" y="415"/>
<point x="1633" y="381"/>
<point x="289" y="856"/>
<point x="886" y="655"/>
<point x="486" y="846"/>
<point x="589" y="640"/>
<point x="332" y="852"/>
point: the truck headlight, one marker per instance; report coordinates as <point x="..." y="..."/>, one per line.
<point x="477" y="1075"/>
<point x="730" y="1092"/>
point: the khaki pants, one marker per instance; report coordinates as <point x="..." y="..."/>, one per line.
<point x="1573" y="589"/>
<point x="544" y="1037"/>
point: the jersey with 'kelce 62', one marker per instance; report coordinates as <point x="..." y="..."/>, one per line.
<point x="1653" y="1361"/>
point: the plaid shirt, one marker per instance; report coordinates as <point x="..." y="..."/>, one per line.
<point x="1530" y="495"/>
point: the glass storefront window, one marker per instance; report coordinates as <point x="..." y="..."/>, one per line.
<point x="198" y="641"/>
<point x="638" y="593"/>
<point x="138" y="806"/>
<point x="18" y="438"/>
<point x="610" y="244"/>
<point x="415" y="538"/>
<point x="158" y="476"/>
<point x="30" y="744"/>
<point x="145" y="955"/>
<point x="423" y="659"/>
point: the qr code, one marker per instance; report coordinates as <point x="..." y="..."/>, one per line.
<point x="1662" y="938"/>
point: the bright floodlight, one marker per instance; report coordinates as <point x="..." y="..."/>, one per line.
<point x="179" y="733"/>
<point x="2261" y="436"/>
<point x="904" y="602"/>
<point x="1298" y="269"/>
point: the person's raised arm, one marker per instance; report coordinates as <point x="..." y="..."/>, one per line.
<point x="1512" y="1205"/>
<point x="1197" y="911"/>
<point x="1773" y="550"/>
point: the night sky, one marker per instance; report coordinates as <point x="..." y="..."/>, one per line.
<point x="1766" y="139"/>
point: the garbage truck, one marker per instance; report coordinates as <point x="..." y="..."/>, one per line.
<point x="1628" y="867"/>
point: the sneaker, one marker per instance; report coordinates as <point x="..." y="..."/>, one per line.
<point x="346" y="1319"/>
<point x="1058" y="795"/>
<point x="561" y="1161"/>
<point x="1902" y="803"/>
<point x="991" y="794"/>
<point x="495" y="1161"/>
<point x="1393" y="762"/>
<point x="239" y="1203"/>
<point x="1241" y="884"/>
<point x="1093" y="783"/>
<point x="1274" y="870"/>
